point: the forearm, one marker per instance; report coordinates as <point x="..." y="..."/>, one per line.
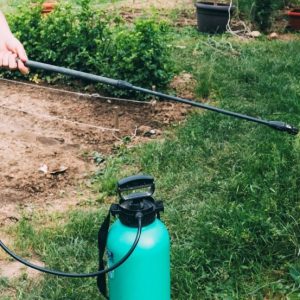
<point x="4" y="28"/>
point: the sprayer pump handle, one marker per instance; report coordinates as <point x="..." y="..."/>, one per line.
<point x="134" y="184"/>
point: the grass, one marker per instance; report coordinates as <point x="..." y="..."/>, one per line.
<point x="240" y="180"/>
<point x="231" y="188"/>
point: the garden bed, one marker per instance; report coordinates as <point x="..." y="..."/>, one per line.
<point x="51" y="140"/>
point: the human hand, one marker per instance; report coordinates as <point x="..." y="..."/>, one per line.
<point x="12" y="54"/>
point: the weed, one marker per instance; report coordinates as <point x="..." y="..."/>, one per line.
<point x="98" y="158"/>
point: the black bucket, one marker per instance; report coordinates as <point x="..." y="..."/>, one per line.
<point x="211" y="17"/>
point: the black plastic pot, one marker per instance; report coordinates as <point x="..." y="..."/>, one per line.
<point x="212" y="17"/>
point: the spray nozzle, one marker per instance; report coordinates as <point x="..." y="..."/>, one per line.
<point x="281" y="126"/>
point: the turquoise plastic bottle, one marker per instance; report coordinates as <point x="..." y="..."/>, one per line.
<point x="146" y="273"/>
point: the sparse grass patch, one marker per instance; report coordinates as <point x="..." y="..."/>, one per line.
<point x="70" y="247"/>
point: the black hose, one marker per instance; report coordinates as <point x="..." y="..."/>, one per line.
<point x="281" y="126"/>
<point x="75" y="275"/>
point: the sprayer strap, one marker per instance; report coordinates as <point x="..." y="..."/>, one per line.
<point x="102" y="240"/>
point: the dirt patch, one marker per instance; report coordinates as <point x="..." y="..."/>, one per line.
<point x="184" y="84"/>
<point x="179" y="12"/>
<point x="47" y="141"/>
<point x="159" y="4"/>
<point x="179" y="18"/>
<point x="288" y="37"/>
<point x="14" y="269"/>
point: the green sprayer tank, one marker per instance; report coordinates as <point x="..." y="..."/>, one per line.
<point x="146" y="273"/>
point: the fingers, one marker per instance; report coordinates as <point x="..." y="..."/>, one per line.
<point x="22" y="67"/>
<point x="8" y="60"/>
<point x="21" y="54"/>
<point x="12" y="63"/>
<point x="16" y="49"/>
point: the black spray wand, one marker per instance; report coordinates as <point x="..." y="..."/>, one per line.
<point x="281" y="126"/>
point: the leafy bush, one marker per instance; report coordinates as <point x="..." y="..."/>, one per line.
<point x="141" y="56"/>
<point x="261" y="12"/>
<point x="94" y="41"/>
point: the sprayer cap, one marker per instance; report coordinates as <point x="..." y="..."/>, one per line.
<point x="136" y="197"/>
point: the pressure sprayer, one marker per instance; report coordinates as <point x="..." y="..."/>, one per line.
<point x="137" y="244"/>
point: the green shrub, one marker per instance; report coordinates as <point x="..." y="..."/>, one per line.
<point x="141" y="56"/>
<point x="95" y="42"/>
<point x="75" y="38"/>
<point x="261" y="12"/>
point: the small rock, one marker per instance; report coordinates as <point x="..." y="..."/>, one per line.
<point x="62" y="169"/>
<point x="273" y="36"/>
<point x="254" y="34"/>
<point x="150" y="133"/>
<point x="43" y="169"/>
<point x="143" y="129"/>
<point x="61" y="140"/>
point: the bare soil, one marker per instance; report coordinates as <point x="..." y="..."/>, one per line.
<point x="159" y="4"/>
<point x="184" y="12"/>
<point x="47" y="139"/>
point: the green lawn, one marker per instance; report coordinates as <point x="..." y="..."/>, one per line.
<point x="231" y="188"/>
